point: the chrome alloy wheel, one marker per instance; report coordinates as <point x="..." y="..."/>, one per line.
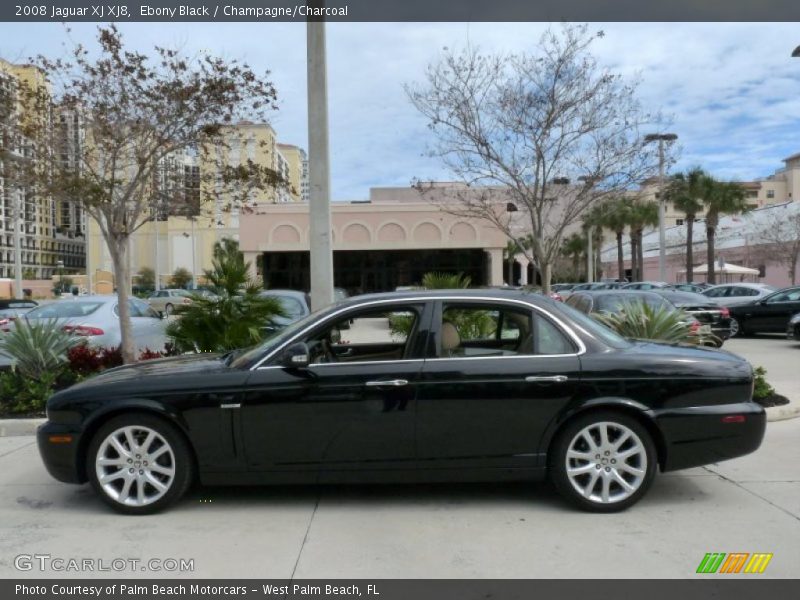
<point x="606" y="462"/>
<point x="135" y="465"/>
<point x="734" y="327"/>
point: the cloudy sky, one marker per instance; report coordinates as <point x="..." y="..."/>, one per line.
<point x="732" y="90"/>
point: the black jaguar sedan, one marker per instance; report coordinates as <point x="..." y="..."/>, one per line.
<point x="424" y="386"/>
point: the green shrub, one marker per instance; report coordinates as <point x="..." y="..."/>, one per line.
<point x="234" y="318"/>
<point x="641" y="321"/>
<point x="37" y="347"/>
<point x="761" y="388"/>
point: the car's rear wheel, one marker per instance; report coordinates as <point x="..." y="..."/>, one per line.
<point x="603" y="461"/>
<point x="168" y="309"/>
<point x="139" y="463"/>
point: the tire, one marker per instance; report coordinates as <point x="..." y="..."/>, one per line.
<point x="168" y="309"/>
<point x="586" y="486"/>
<point x="160" y="481"/>
<point x="738" y="329"/>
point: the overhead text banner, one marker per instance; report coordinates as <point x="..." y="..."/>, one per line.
<point x="401" y="10"/>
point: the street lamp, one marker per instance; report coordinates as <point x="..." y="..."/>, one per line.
<point x="662" y="236"/>
<point x="60" y="265"/>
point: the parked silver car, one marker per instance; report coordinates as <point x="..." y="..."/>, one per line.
<point x="97" y="319"/>
<point x="733" y="294"/>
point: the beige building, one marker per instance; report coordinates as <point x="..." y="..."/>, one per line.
<point x="390" y="240"/>
<point x="172" y="241"/>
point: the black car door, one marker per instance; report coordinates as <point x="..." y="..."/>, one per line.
<point x="773" y="312"/>
<point x="352" y="407"/>
<point x="501" y="372"/>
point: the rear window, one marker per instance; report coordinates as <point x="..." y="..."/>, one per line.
<point x="593" y="328"/>
<point x="64" y="310"/>
<point x="291" y="306"/>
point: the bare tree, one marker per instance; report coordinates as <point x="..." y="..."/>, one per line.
<point x="781" y="236"/>
<point x="550" y="132"/>
<point x="138" y="114"/>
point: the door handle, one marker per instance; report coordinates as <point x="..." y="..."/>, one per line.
<point x="387" y="383"/>
<point x="546" y="378"/>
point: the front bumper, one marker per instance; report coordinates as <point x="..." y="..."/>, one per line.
<point x="60" y="457"/>
<point x="708" y="434"/>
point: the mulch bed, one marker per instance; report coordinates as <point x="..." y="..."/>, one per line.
<point x="773" y="400"/>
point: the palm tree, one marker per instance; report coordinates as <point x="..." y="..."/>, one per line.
<point x="594" y="220"/>
<point x="574" y="248"/>
<point x="616" y="220"/>
<point x="721" y="198"/>
<point x="642" y="214"/>
<point x="686" y="192"/>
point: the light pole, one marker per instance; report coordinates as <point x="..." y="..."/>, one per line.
<point x="662" y="236"/>
<point x="60" y="265"/>
<point x="319" y="209"/>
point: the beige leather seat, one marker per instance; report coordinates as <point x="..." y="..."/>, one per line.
<point x="451" y="340"/>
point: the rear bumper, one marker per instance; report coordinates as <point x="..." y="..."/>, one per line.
<point x="60" y="458"/>
<point x="699" y="436"/>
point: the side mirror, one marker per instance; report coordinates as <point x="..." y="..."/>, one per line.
<point x="296" y="356"/>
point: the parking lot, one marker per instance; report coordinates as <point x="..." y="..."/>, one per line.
<point x="750" y="504"/>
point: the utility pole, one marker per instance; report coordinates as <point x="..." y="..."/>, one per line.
<point x="18" y="222"/>
<point x="662" y="236"/>
<point x="319" y="211"/>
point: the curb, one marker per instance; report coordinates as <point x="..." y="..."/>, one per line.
<point x="15" y="427"/>
<point x="782" y="413"/>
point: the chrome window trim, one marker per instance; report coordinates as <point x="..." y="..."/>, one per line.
<point x="560" y="323"/>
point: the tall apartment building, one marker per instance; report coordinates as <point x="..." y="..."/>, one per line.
<point x="52" y="232"/>
<point x="297" y="171"/>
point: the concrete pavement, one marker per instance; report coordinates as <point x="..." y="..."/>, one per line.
<point x="750" y="504"/>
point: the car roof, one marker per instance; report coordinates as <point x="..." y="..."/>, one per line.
<point x="617" y="292"/>
<point x="479" y="294"/>
<point x="758" y="286"/>
<point x="682" y="295"/>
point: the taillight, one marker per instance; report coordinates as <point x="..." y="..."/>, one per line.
<point x="83" y="330"/>
<point x="725" y="312"/>
<point x="4" y="324"/>
<point x="557" y="297"/>
<point x="694" y="327"/>
<point x="187" y="300"/>
<point x="734" y="419"/>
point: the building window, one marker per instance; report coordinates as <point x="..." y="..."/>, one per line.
<point x="770" y="193"/>
<point x="678" y="221"/>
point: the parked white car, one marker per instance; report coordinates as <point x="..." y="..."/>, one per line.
<point x="733" y="294"/>
<point x="96" y="318"/>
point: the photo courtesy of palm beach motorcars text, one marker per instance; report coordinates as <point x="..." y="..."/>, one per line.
<point x="383" y="299"/>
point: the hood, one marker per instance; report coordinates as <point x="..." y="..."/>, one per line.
<point x="179" y="365"/>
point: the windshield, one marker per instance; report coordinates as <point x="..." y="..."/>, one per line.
<point x="613" y="303"/>
<point x="273" y="341"/>
<point x="593" y="328"/>
<point x="64" y="310"/>
<point x="291" y="306"/>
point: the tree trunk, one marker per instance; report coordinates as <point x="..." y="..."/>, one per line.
<point x="634" y="255"/>
<point x="547" y="275"/>
<point x="640" y="250"/>
<point x="793" y="270"/>
<point x="689" y="248"/>
<point x="620" y="259"/>
<point x="712" y="275"/>
<point x="119" y="256"/>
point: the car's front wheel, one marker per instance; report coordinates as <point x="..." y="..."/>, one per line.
<point x="603" y="461"/>
<point x="139" y="463"/>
